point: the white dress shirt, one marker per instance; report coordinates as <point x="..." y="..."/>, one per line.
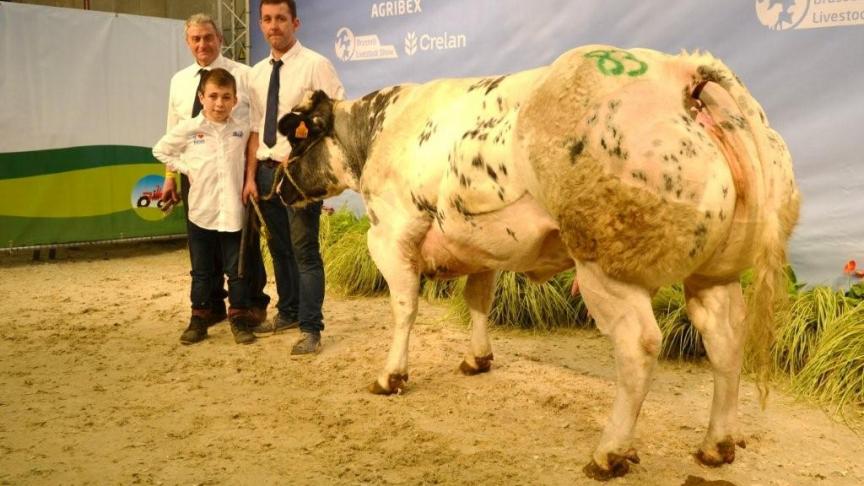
<point x="303" y="70"/>
<point x="212" y="155"/>
<point x="184" y="83"/>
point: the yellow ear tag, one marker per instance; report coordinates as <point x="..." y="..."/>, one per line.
<point x="301" y="131"/>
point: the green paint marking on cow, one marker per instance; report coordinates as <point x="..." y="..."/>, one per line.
<point x="614" y="63"/>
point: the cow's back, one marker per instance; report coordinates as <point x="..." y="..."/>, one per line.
<point x="635" y="181"/>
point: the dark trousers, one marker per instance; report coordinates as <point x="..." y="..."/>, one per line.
<point x="217" y="293"/>
<point x="204" y="245"/>
<point x="296" y="255"/>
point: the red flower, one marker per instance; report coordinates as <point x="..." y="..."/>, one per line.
<point x="849" y="269"/>
<point x="859" y="274"/>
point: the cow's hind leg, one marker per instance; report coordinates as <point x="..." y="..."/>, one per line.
<point x="479" y="290"/>
<point x="717" y="311"/>
<point x="622" y="312"/>
<point x="404" y="284"/>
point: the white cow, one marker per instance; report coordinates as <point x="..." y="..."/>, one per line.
<point x="639" y="168"/>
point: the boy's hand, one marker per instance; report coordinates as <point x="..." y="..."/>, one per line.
<point x="169" y="192"/>
<point x="250" y="189"/>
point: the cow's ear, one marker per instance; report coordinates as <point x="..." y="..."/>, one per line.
<point x="290" y="124"/>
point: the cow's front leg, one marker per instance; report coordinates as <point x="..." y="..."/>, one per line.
<point x="717" y="311"/>
<point x="479" y="289"/>
<point x="403" y="281"/>
<point x="622" y="312"/>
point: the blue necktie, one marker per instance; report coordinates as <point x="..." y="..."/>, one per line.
<point x="272" y="105"/>
<point x="196" y="105"/>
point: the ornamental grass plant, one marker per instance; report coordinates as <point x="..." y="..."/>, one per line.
<point x="520" y="303"/>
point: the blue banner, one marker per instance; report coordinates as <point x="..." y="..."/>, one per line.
<point x="803" y="60"/>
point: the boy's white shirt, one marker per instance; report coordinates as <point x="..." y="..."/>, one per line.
<point x="213" y="156"/>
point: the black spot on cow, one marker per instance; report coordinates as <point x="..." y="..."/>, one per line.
<point x="701" y="237"/>
<point x="639" y="175"/>
<point x="459" y="204"/>
<point x="491" y="172"/>
<point x="488" y="83"/>
<point x="512" y="234"/>
<point x="368" y="112"/>
<point x="428" y="130"/>
<point x="576" y="147"/>
<point x="470" y="134"/>
<point x="668" y="183"/>
<point x="439" y="218"/>
<point x="373" y="218"/>
<point x="423" y="205"/>
<point x="464" y="181"/>
<point x="727" y="125"/>
<point x="725" y="191"/>
<point x="502" y="169"/>
<point x="500" y="193"/>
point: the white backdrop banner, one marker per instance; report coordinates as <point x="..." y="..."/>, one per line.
<point x="802" y="59"/>
<point x="84" y="98"/>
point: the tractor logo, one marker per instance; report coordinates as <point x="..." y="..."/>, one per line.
<point x="147" y="198"/>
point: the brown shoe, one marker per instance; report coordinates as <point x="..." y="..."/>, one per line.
<point x="279" y="324"/>
<point x="309" y="343"/>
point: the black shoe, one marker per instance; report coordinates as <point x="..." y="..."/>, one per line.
<point x="280" y="323"/>
<point x="242" y="334"/>
<point x="196" y="332"/>
<point x="309" y="343"/>
<point x="242" y="321"/>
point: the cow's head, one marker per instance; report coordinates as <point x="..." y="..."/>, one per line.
<point x="317" y="164"/>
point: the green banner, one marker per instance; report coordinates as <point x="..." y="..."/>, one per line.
<point x="82" y="194"/>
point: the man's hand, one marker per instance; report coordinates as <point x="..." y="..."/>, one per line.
<point x="250" y="189"/>
<point x="169" y="192"/>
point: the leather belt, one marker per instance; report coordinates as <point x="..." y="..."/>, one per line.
<point x="270" y="163"/>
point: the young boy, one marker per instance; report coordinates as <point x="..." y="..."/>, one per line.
<point x="210" y="150"/>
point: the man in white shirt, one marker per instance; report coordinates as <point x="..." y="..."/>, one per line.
<point x="204" y="40"/>
<point x="277" y="84"/>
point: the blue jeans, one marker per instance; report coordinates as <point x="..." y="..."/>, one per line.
<point x="204" y="245"/>
<point x="296" y="256"/>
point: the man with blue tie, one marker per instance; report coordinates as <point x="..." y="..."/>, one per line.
<point x="276" y="84"/>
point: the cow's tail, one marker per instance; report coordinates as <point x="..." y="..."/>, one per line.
<point x="767" y="192"/>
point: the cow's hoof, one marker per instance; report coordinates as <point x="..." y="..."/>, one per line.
<point x="484" y="364"/>
<point x="395" y="384"/>
<point x="618" y="466"/>
<point x="725" y="453"/>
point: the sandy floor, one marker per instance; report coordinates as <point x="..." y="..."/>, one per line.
<point x="96" y="388"/>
